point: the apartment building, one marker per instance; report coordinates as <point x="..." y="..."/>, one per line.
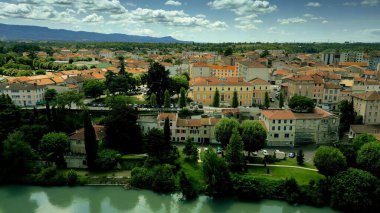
<point x="259" y="88"/>
<point x="223" y="71"/>
<point x="331" y="95"/>
<point x="250" y="70"/>
<point x="24" y="94"/>
<point x="300" y="85"/>
<point x="203" y="90"/>
<point x="368" y="105"/>
<point x="287" y="128"/>
<point x="200" y="70"/>
<point x="352" y="57"/>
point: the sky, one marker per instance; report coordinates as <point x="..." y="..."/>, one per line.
<point x="207" y="20"/>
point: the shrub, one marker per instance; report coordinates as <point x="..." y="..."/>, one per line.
<point x="72" y="178"/>
<point x="107" y="159"/>
<point x="141" y="177"/>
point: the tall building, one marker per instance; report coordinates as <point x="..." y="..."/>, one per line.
<point x="368" y="105"/>
<point x="250" y="70"/>
<point x="24" y="94"/>
<point x="352" y="57"/>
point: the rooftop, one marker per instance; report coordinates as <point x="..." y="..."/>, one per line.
<point x="287" y="114"/>
<point x="368" y="96"/>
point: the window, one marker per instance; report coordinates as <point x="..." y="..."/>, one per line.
<point x="279" y="121"/>
<point x="286" y="135"/>
<point x="276" y="135"/>
<point x="285" y="121"/>
<point x="285" y="128"/>
<point x="290" y="128"/>
<point x="279" y="128"/>
<point x="273" y="127"/>
<point x="291" y="121"/>
<point x="182" y="138"/>
<point x="205" y="131"/>
<point x="274" y="121"/>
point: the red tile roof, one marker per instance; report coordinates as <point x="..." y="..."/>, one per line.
<point x="368" y="96"/>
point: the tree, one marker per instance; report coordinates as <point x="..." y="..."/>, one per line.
<point x="121" y="131"/>
<point x="90" y="142"/>
<point x="281" y="101"/>
<point x="292" y="191"/>
<point x="264" y="54"/>
<point x="235" y="101"/>
<point x="121" y="83"/>
<point x="224" y="129"/>
<point x="369" y="158"/>
<point x="177" y="82"/>
<point x="216" y="100"/>
<point x="234" y="152"/>
<point x="50" y="95"/>
<point x="163" y="179"/>
<point x="253" y="135"/>
<point x="362" y="139"/>
<point x="167" y="131"/>
<point x="354" y="191"/>
<point x="187" y="188"/>
<point x="107" y="159"/>
<point x="158" y="148"/>
<point x="215" y="173"/>
<point x="182" y="98"/>
<point x="93" y="88"/>
<point x="153" y="100"/>
<point x="72" y="178"/>
<point x="68" y="98"/>
<point x="347" y="116"/>
<point x="53" y="146"/>
<point x="158" y="81"/>
<point x="267" y="101"/>
<point x="329" y="161"/>
<point x="228" y="52"/>
<point x="10" y="116"/>
<point x="300" y="157"/>
<point x="167" y="99"/>
<point x="301" y="104"/>
<point x="15" y="157"/>
<point x="122" y="65"/>
<point x="190" y="150"/>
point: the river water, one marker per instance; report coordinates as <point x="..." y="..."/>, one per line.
<point x="20" y="199"/>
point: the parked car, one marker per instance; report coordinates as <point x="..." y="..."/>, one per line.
<point x="292" y="155"/>
<point x="265" y="152"/>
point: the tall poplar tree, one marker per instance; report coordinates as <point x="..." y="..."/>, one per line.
<point x="216" y="100"/>
<point x="235" y="101"/>
<point x="90" y="142"/>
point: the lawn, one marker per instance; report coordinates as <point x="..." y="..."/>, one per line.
<point x="103" y="65"/>
<point x="301" y="175"/>
<point x="193" y="172"/>
<point x="293" y="162"/>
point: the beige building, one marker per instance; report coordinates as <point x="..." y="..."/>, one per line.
<point x="287" y="128"/>
<point x="368" y="105"/>
<point x="77" y="145"/>
<point x="200" y="130"/>
<point x="200" y="70"/>
<point x="250" y="70"/>
<point x="331" y="95"/>
<point x="24" y="94"/>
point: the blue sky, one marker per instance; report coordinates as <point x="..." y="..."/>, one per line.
<point x="207" y="20"/>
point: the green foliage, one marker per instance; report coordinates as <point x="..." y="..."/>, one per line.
<point x="216" y="100"/>
<point x="190" y="150"/>
<point x="160" y="149"/>
<point x="301" y="104"/>
<point x="121" y="83"/>
<point x="187" y="189"/>
<point x="300" y="157"/>
<point x="291" y="191"/>
<point x="177" y="82"/>
<point x="107" y="159"/>
<point x="267" y="101"/>
<point x="182" y="98"/>
<point x="234" y="152"/>
<point x="72" y="178"/>
<point x="329" y="161"/>
<point x="347" y="116"/>
<point x="158" y="81"/>
<point x="264" y="54"/>
<point x="228" y="52"/>
<point x="163" y="179"/>
<point x="53" y="146"/>
<point x="235" y="101"/>
<point x="362" y="139"/>
<point x="281" y="100"/>
<point x="10" y="116"/>
<point x="49" y="177"/>
<point x="215" y="174"/>
<point x="223" y="130"/>
<point x="50" y="95"/>
<point x="253" y="135"/>
<point x="90" y="142"/>
<point x="354" y="191"/>
<point x="167" y="99"/>
<point x="93" y="88"/>
<point x="122" y="65"/>
<point x="68" y="98"/>
<point x="167" y="131"/>
<point x="153" y="100"/>
<point x="369" y="158"/>
<point x="142" y="177"/>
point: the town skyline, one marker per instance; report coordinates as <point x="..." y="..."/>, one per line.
<point x="206" y="21"/>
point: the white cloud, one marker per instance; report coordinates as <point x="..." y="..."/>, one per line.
<point x="313" y="17"/>
<point x="372" y="32"/>
<point x="173" y="3"/>
<point x="325" y="22"/>
<point x="370" y="3"/>
<point x="295" y="20"/>
<point x="247" y="22"/>
<point x="243" y="7"/>
<point x="350" y="4"/>
<point x="93" y="18"/>
<point x="313" y="4"/>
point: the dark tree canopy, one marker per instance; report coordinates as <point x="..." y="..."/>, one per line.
<point x="267" y="100"/>
<point x="223" y="130"/>
<point x="329" y="161"/>
<point x="234" y="152"/>
<point x="301" y="104"/>
<point x="369" y="158"/>
<point x="216" y="99"/>
<point x="93" y="88"/>
<point x="182" y="98"/>
<point x="235" y="101"/>
<point x="254" y="135"/>
<point x="347" y="116"/>
<point x="90" y="142"/>
<point x="158" y="81"/>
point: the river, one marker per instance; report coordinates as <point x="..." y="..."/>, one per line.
<point x="28" y="199"/>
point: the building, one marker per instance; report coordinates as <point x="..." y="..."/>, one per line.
<point x="223" y="71"/>
<point x="147" y="123"/>
<point x="287" y="128"/>
<point x="250" y="70"/>
<point x="330" y="57"/>
<point x="77" y="145"/>
<point x="301" y="85"/>
<point x="203" y="90"/>
<point x="331" y="95"/>
<point x="356" y="130"/>
<point x="24" y="94"/>
<point x="259" y="88"/>
<point x="351" y="57"/>
<point x="367" y="105"/>
<point x="200" y="70"/>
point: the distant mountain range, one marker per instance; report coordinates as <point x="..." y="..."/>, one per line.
<point x="35" y="33"/>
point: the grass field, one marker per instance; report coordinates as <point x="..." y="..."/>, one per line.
<point x="193" y="172"/>
<point x="293" y="162"/>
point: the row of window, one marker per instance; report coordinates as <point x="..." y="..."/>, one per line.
<point x="229" y="89"/>
<point x="285" y="128"/>
<point x="279" y="121"/>
<point x="286" y="135"/>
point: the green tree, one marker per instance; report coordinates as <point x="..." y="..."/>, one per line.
<point x="53" y="146"/>
<point x="264" y="54"/>
<point x="347" y="116"/>
<point x="354" y="191"/>
<point x="90" y="142"/>
<point x="362" y="139"/>
<point x="93" y="88"/>
<point x="10" y="117"/>
<point x="216" y="100"/>
<point x="121" y="131"/>
<point x="301" y="104"/>
<point x="167" y="131"/>
<point x="300" y="157"/>
<point x="281" y="101"/>
<point x="190" y="150"/>
<point x="72" y="178"/>
<point x="177" y="82"/>
<point x="160" y="149"/>
<point x="182" y="98"/>
<point x="153" y="100"/>
<point x="224" y="129"/>
<point x="369" y="158"/>
<point x="167" y="99"/>
<point x="292" y="191"/>
<point x="15" y="158"/>
<point x="254" y="136"/>
<point x="107" y="159"/>
<point x="122" y="65"/>
<point x="228" y="52"/>
<point x="187" y="188"/>
<point x="267" y="101"/>
<point x="329" y="161"/>
<point x="235" y="101"/>
<point x="158" y="81"/>
<point x="68" y="98"/>
<point x="50" y="95"/>
<point x="234" y="152"/>
<point x="163" y="179"/>
<point x="215" y="173"/>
